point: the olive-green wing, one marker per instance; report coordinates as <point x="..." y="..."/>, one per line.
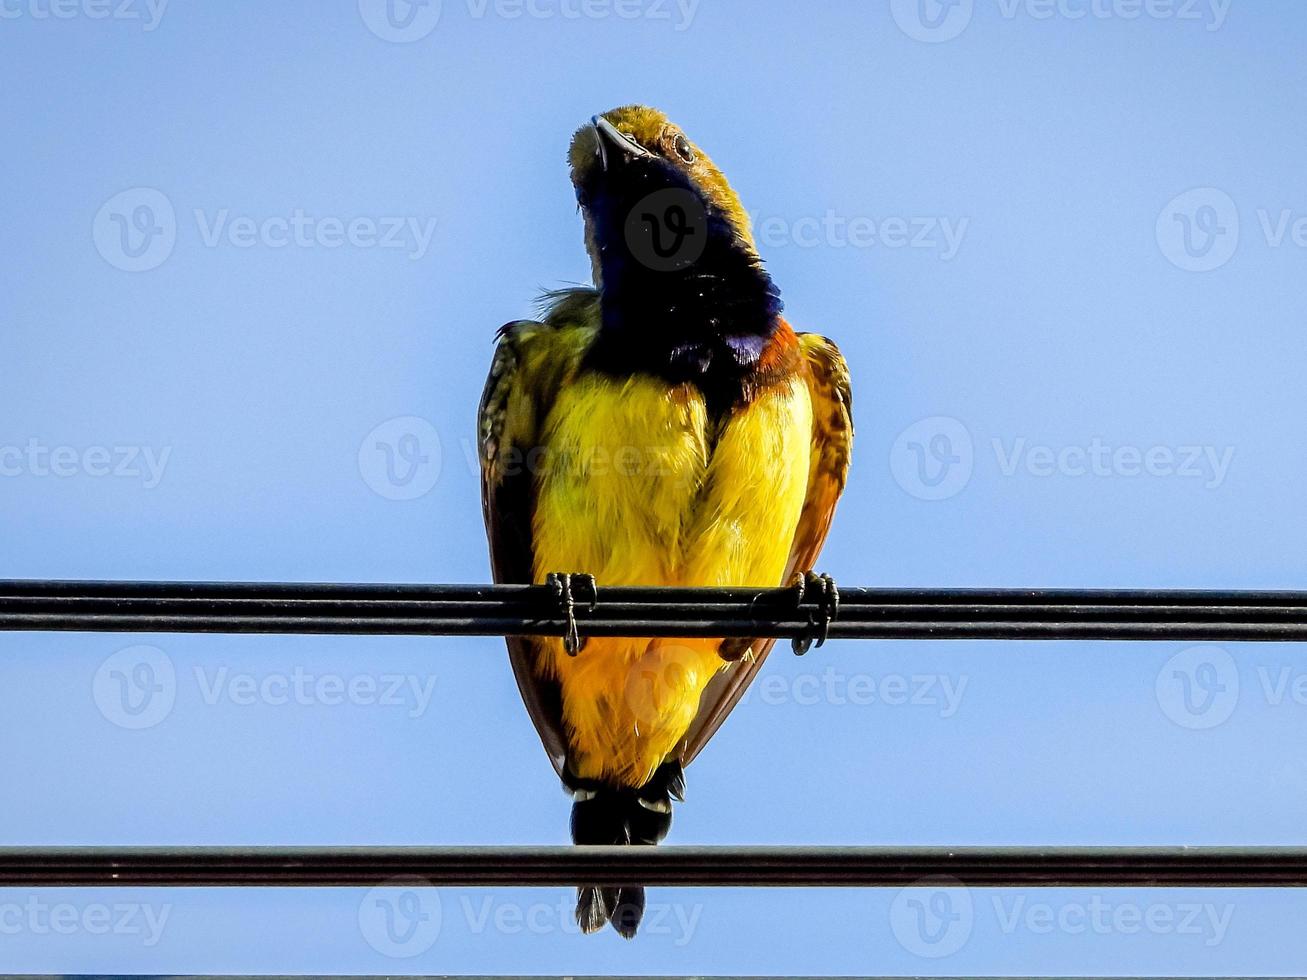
<point x="832" y="445"/>
<point x="533" y="360"/>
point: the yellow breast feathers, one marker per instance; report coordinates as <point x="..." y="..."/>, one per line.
<point x="636" y="488"/>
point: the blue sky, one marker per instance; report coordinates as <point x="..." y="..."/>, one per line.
<point x="257" y="255"/>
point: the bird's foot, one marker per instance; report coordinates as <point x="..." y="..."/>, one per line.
<point x="825" y="596"/>
<point x="565" y="586"/>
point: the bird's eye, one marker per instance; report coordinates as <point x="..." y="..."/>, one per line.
<point x="682" y="147"/>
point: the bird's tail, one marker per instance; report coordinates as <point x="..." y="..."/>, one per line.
<point x="604" y="815"/>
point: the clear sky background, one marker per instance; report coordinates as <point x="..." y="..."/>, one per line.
<point x="1069" y="371"/>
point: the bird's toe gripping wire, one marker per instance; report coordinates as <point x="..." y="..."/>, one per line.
<point x="565" y="585"/>
<point x="820" y="613"/>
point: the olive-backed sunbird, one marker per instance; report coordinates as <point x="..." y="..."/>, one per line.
<point x="666" y="427"/>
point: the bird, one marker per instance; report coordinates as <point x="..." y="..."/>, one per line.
<point x="666" y="426"/>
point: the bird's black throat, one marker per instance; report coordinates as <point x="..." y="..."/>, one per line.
<point x="687" y="309"/>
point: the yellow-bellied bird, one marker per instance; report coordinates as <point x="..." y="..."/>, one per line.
<point x="666" y="427"/>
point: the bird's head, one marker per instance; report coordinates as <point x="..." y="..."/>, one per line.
<point x="649" y="194"/>
<point x="683" y="293"/>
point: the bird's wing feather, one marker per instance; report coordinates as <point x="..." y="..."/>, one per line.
<point x="531" y="362"/>
<point x="832" y="443"/>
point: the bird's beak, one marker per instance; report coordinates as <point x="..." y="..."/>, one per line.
<point x="615" y="147"/>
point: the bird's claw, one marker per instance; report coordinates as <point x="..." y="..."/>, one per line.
<point x="827" y="605"/>
<point x="565" y="585"/>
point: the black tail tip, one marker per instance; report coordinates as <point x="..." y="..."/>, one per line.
<point x="594" y="907"/>
<point x="622" y="908"/>
<point x="603" y="815"/>
<point x="629" y="911"/>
